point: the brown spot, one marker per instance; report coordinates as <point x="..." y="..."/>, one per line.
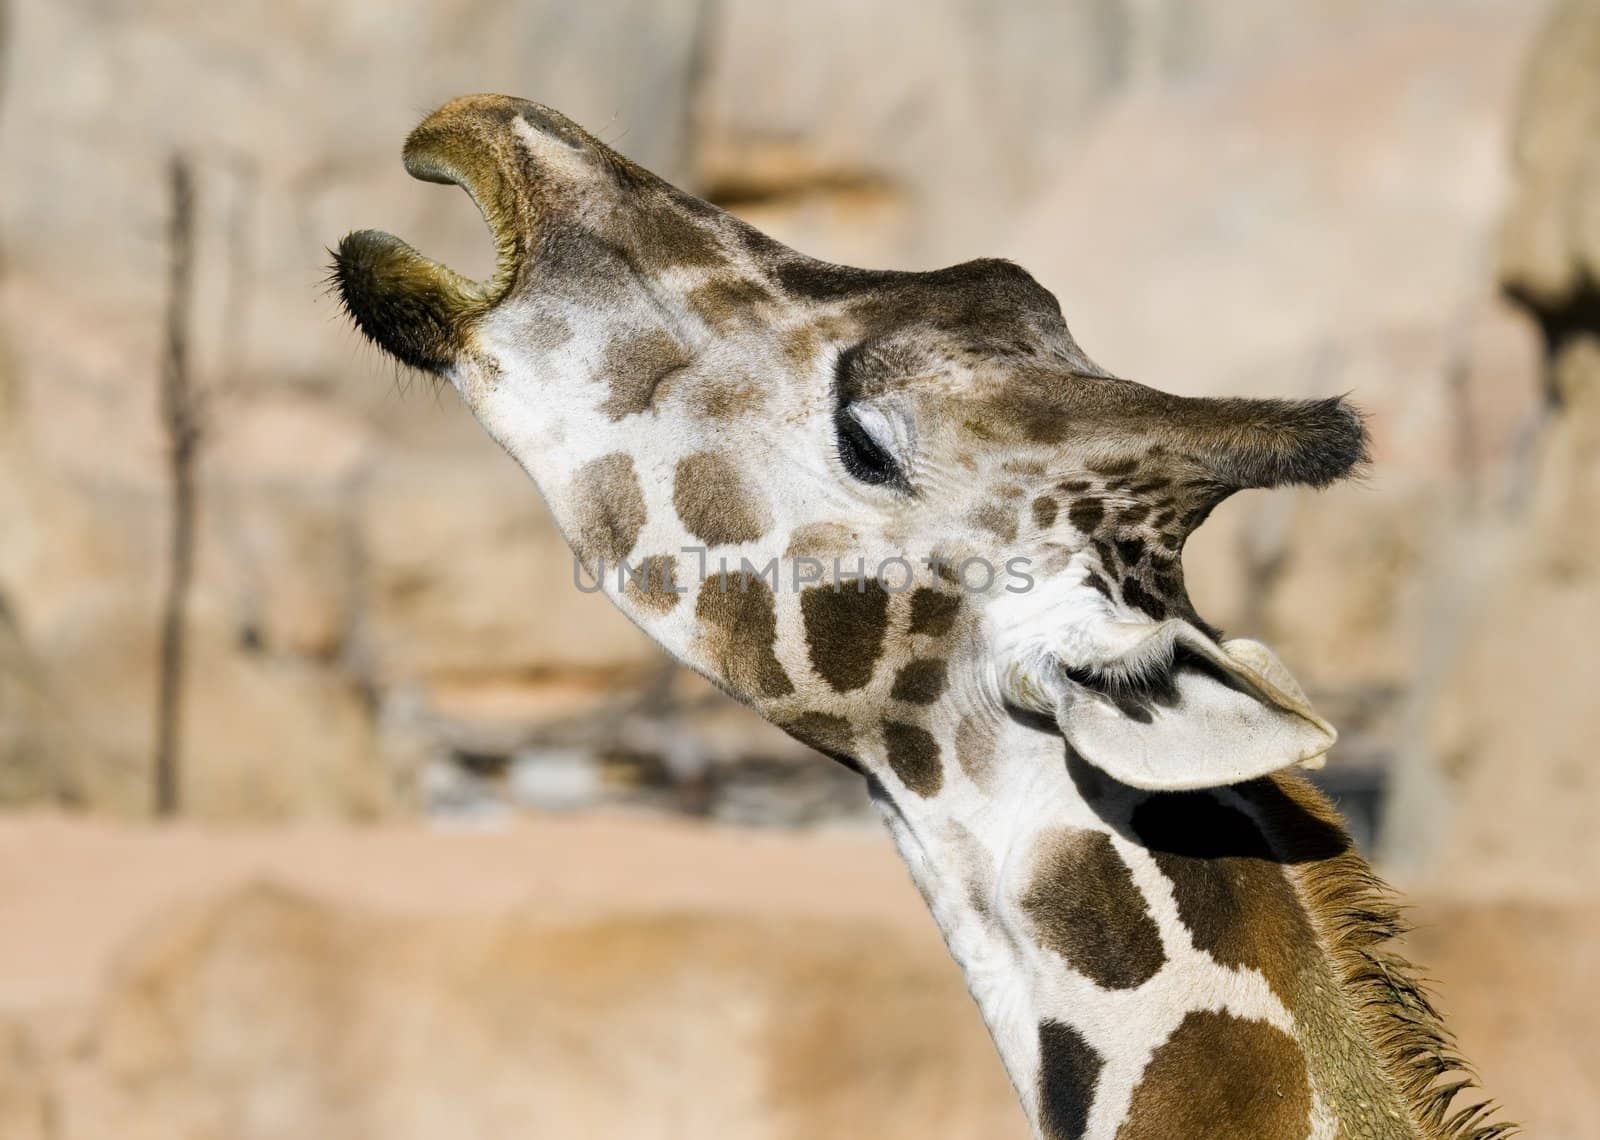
<point x="970" y="860"/>
<point x="727" y="399"/>
<point x="1135" y="595"/>
<point x="1044" y="512"/>
<point x="1115" y="467"/>
<point x="844" y="631"/>
<point x="933" y="612"/>
<point x="1085" y="514"/>
<point x="816" y="539"/>
<point x="829" y="734"/>
<point x="1168" y="582"/>
<point x="1057" y="558"/>
<point x="1022" y="412"/>
<point x="1027" y="468"/>
<point x="655" y="585"/>
<point x="1074" y="486"/>
<point x="800" y="344"/>
<point x="1130" y="550"/>
<point x="1232" y="895"/>
<point x="920" y="682"/>
<point x="1265" y="1095"/>
<point x="668" y="238"/>
<point x="546" y="333"/>
<point x="914" y="756"/>
<point x="1085" y="906"/>
<point x="1102" y="586"/>
<point x="741" y="627"/>
<point x="609" y="504"/>
<point x="996" y="518"/>
<point x="975" y="752"/>
<point x="943" y="564"/>
<point x="636" y="367"/>
<point x="1069" y="1070"/>
<point x="1133" y="515"/>
<point x="713" y="501"/>
<point x="725" y="302"/>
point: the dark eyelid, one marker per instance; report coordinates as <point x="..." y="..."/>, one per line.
<point x="846" y="385"/>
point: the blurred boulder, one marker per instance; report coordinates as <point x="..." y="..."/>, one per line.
<point x="268" y="1015"/>
<point x="895" y="132"/>
<point x="263" y="1013"/>
<point x="1550" y="249"/>
<point x="1511" y="736"/>
<point x="25" y="1108"/>
<point x="275" y="737"/>
<point x="1513" y="732"/>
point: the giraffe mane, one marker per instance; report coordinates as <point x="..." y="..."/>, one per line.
<point x="1357" y="917"/>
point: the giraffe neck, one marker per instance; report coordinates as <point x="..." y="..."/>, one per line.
<point x="1155" y="965"/>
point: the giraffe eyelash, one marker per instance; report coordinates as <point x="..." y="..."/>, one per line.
<point x="865" y="454"/>
<point x="867" y="460"/>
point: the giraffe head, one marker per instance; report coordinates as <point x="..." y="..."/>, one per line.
<point x="968" y="517"/>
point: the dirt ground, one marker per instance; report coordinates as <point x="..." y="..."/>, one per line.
<point x="190" y="983"/>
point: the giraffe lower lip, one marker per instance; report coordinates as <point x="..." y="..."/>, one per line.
<point x="413" y="308"/>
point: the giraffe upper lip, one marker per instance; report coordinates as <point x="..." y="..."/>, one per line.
<point x="428" y="161"/>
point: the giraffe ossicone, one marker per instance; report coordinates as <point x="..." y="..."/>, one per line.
<point x="1165" y="933"/>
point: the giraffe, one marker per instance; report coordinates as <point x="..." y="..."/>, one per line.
<point x="905" y="518"/>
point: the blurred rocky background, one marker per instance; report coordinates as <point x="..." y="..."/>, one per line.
<point x="1395" y="198"/>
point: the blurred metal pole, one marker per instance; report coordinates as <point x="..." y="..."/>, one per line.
<point x="180" y="416"/>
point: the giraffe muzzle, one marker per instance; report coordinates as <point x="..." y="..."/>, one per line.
<point x="512" y="157"/>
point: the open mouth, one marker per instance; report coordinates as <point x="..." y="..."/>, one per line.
<point x="412" y="307"/>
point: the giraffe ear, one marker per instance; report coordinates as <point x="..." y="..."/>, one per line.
<point x="1166" y="708"/>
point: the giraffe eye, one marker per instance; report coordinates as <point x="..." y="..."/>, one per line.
<point x="860" y="430"/>
<point x="866" y="440"/>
